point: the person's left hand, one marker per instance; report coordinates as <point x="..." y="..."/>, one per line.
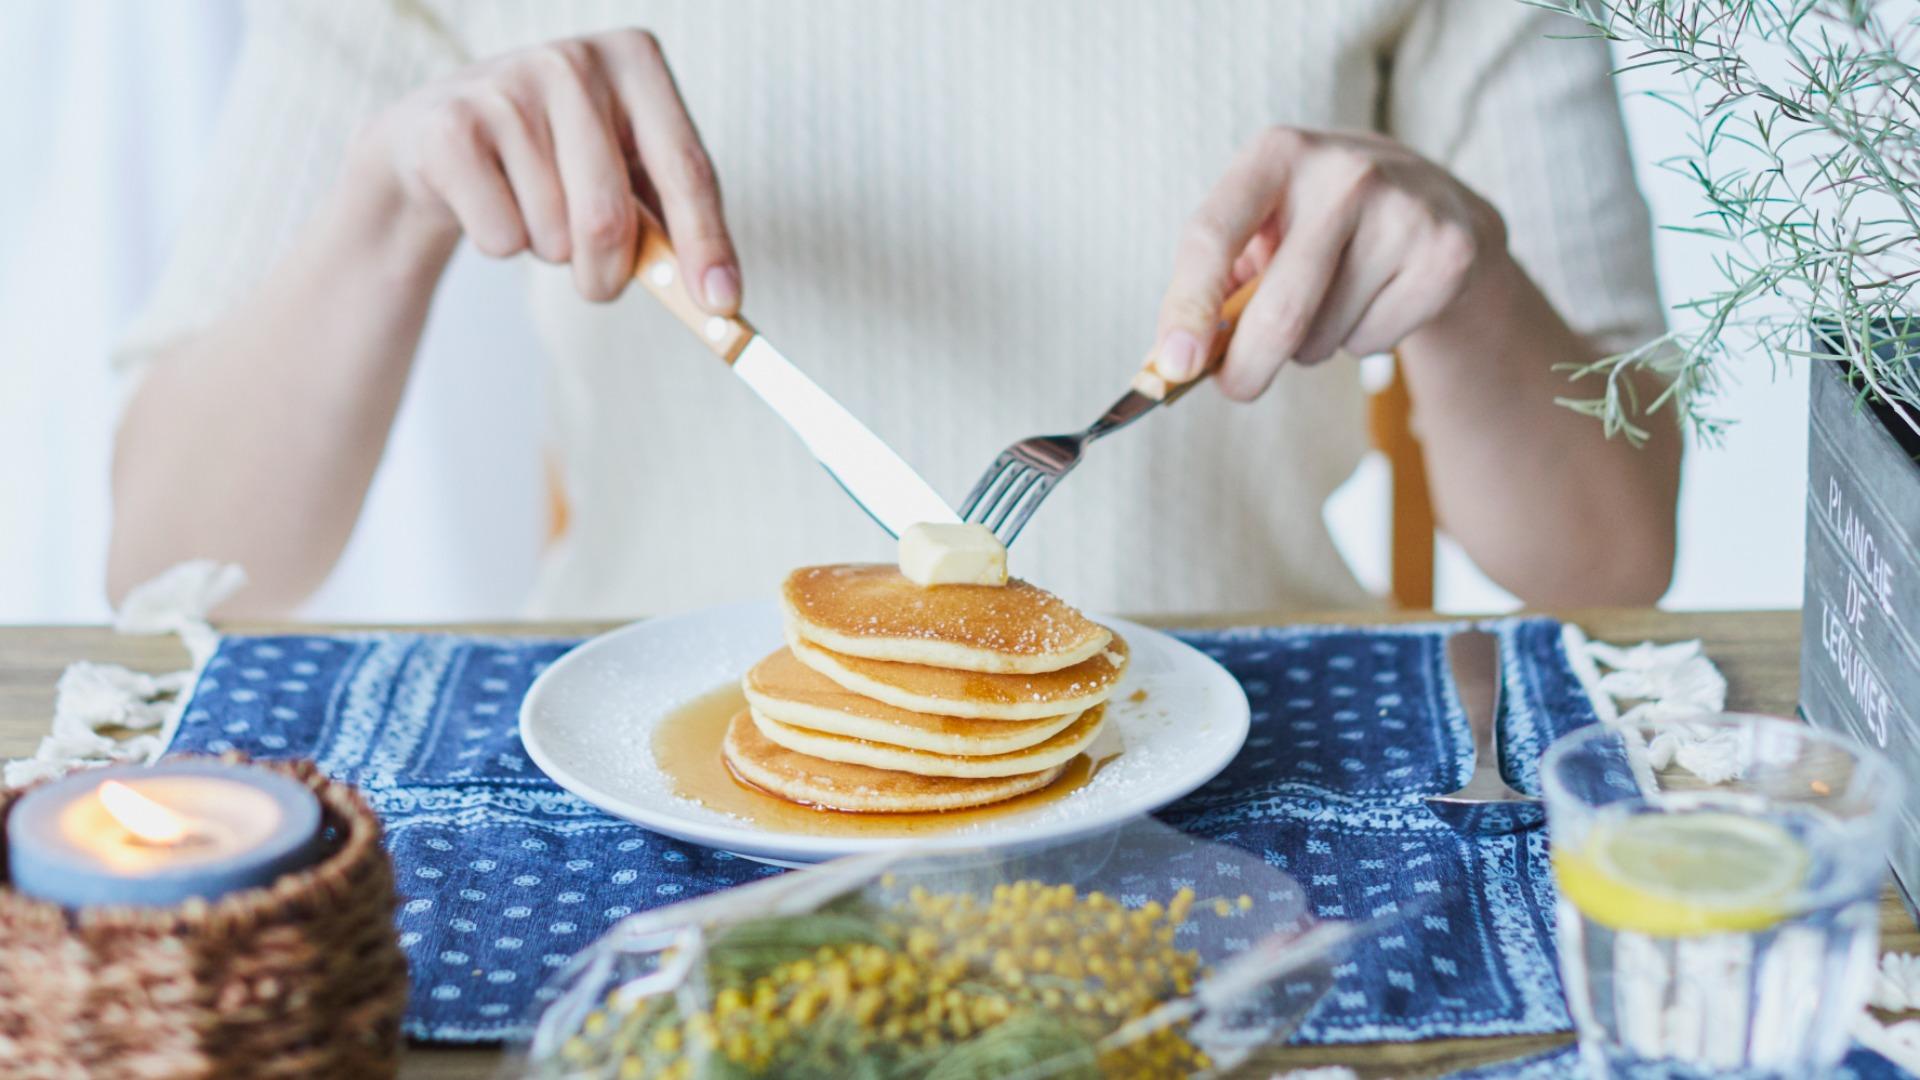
<point x="1362" y="242"/>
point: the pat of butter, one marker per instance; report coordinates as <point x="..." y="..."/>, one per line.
<point x="952" y="555"/>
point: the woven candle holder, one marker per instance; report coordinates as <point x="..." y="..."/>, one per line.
<point x="301" y="978"/>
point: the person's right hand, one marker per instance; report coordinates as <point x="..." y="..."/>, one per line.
<point x="560" y="149"/>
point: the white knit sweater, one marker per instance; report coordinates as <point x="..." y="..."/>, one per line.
<point x="958" y="217"/>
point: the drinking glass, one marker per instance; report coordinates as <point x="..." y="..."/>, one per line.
<point x="1719" y="882"/>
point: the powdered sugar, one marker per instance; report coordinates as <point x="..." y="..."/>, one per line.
<point x="875" y="601"/>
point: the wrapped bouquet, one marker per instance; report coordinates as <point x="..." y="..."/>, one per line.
<point x="1139" y="953"/>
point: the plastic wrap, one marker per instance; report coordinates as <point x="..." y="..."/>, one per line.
<point x="1142" y="952"/>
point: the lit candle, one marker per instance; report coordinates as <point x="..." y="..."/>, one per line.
<point x="157" y="835"/>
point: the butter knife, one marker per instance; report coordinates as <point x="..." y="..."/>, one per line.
<point x="885" y="486"/>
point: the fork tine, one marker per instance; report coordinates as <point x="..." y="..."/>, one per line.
<point x="1033" y="500"/>
<point x="994" y="472"/>
<point x="997" y="493"/>
<point x="1011" y="500"/>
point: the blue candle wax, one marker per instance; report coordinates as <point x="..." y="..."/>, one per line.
<point x="156" y="835"/>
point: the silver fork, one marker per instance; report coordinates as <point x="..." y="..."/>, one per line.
<point x="1487" y="804"/>
<point x="1025" y="473"/>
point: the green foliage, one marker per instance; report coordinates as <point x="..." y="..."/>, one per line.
<point x="752" y="949"/>
<point x="1806" y="152"/>
<point x="1028" y="1045"/>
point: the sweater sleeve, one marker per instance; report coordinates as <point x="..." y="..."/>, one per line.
<point x="1532" y="123"/>
<point x="309" y="73"/>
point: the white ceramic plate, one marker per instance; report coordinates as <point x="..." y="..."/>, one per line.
<point x="588" y="721"/>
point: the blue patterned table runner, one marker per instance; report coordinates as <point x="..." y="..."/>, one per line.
<point x="504" y="875"/>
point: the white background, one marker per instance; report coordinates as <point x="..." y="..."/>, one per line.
<point x="105" y="112"/>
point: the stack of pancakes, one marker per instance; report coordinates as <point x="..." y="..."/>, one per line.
<point x="892" y="697"/>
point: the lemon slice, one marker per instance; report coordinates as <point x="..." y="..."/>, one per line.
<point x="1674" y="874"/>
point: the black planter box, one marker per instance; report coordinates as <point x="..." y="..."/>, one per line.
<point x="1859" y="653"/>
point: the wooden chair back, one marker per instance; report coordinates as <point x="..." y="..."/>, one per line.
<point x="1390" y="422"/>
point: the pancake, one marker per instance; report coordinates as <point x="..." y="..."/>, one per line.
<point x="785" y="690"/>
<point x="1058" y="750"/>
<point x="919" y="688"/>
<point x="871" y="610"/>
<point x="836" y="785"/>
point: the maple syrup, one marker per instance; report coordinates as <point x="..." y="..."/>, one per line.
<point x="686" y="746"/>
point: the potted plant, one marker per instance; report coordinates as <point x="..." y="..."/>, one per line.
<point x="1806" y="152"/>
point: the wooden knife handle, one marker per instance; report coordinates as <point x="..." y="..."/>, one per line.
<point x="1149" y="382"/>
<point x="657" y="270"/>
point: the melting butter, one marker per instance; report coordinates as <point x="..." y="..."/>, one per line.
<point x="952" y="555"/>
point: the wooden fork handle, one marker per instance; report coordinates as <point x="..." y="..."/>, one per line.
<point x="1149" y="382"/>
<point x="657" y="269"/>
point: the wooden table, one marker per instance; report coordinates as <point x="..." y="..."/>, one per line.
<point x="1759" y="651"/>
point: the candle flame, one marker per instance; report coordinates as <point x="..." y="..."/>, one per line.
<point x="147" y="820"/>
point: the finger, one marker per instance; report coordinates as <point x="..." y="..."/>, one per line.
<point x="460" y="166"/>
<point x="526" y="154"/>
<point x="1373" y="258"/>
<point x="1340" y="315"/>
<point x="1411" y="300"/>
<point x="1256" y="255"/>
<point x="677" y="166"/>
<point x="643" y="188"/>
<point x="603" y="217"/>
<point x="1284" y="308"/>
<point x="1217" y="234"/>
<point x="1435" y="270"/>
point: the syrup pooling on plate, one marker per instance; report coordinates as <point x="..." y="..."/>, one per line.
<point x="590" y="720"/>
<point x="686" y="747"/>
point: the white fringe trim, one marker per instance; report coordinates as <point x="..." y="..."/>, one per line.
<point x="1897" y="987"/>
<point x="1575" y="643"/>
<point x="1657" y="684"/>
<point x="1662" y="682"/>
<point x="92" y="698"/>
<point x="1898" y="1043"/>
